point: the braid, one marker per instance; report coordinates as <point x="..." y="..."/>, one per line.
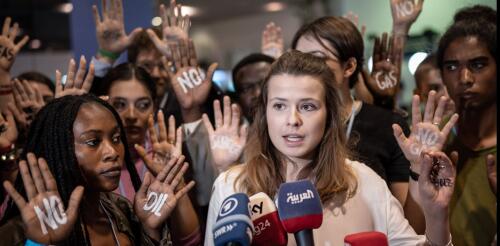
<point x="51" y="137"/>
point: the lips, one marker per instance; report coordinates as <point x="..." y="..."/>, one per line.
<point x="112" y="172"/>
<point x="133" y="130"/>
<point x="294" y="140"/>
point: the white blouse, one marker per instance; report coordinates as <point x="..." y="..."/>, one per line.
<point x="372" y="208"/>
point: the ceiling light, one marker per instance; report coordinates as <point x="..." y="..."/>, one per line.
<point x="188" y="10"/>
<point x="274" y="6"/>
<point x="415" y="60"/>
<point x="65" y="8"/>
<point x="35" y="44"/>
<point x="156" y="21"/>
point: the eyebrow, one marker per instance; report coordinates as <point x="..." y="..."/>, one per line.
<point x="475" y="59"/>
<point x="301" y="100"/>
<point x="93" y="131"/>
<point x="125" y="99"/>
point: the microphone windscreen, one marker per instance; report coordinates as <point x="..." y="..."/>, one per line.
<point x="370" y="238"/>
<point x="299" y="206"/>
<point x="233" y="223"/>
<point x="266" y="221"/>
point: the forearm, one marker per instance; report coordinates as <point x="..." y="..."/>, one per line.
<point x="414" y="214"/>
<point x="6" y="95"/>
<point x="184" y="218"/>
<point x="437" y="228"/>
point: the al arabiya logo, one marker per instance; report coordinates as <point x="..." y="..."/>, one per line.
<point x="228" y="206"/>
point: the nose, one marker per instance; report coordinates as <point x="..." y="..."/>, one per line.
<point x="294" y="118"/>
<point x="130" y="114"/>
<point x="155" y="72"/>
<point x="110" y="153"/>
<point x="256" y="91"/>
<point x="466" y="76"/>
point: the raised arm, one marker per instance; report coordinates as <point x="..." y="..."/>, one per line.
<point x="110" y="31"/>
<point x="8" y="51"/>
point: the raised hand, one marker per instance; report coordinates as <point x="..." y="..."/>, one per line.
<point x="8" y="47"/>
<point x="76" y="84"/>
<point x="156" y="198"/>
<point x="492" y="172"/>
<point x="27" y="98"/>
<point x="175" y="28"/>
<point x="190" y="83"/>
<point x="384" y="80"/>
<point x="167" y="145"/>
<point x="44" y="218"/>
<point x="272" y="41"/>
<point x="8" y="130"/>
<point x="354" y="18"/>
<point x="110" y="29"/>
<point x="405" y="12"/>
<point x="229" y="138"/>
<point x="436" y="182"/>
<point x="425" y="135"/>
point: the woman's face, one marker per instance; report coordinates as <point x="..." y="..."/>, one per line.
<point x="134" y="103"/>
<point x="308" y="44"/>
<point x="296" y="115"/>
<point x="98" y="147"/>
<point x="470" y="73"/>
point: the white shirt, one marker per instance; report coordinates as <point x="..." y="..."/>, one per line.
<point x="372" y="208"/>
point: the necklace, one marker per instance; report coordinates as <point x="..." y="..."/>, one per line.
<point x="115" y="236"/>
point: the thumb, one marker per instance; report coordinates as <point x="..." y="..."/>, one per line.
<point x="425" y="168"/>
<point x="133" y="34"/>
<point x="211" y="70"/>
<point x="399" y="135"/>
<point x="74" y="203"/>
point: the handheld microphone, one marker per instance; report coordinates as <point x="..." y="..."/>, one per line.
<point x="371" y="238"/>
<point x="233" y="225"/>
<point x="300" y="210"/>
<point x="266" y="222"/>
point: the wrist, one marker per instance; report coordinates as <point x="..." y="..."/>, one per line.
<point x="107" y="56"/>
<point x="192" y="114"/>
<point x="400" y="29"/>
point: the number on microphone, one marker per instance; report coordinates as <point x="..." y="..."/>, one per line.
<point x="261" y="226"/>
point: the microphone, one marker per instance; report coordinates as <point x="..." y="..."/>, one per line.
<point x="233" y="225"/>
<point x="371" y="238"/>
<point x="300" y="210"/>
<point x="266" y="222"/>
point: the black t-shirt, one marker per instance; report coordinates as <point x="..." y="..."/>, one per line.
<point x="375" y="144"/>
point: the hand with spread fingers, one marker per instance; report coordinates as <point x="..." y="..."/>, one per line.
<point x="426" y="134"/>
<point x="436" y="182"/>
<point x="28" y="98"/>
<point x="272" y="41"/>
<point x="110" y="29"/>
<point x="157" y="196"/>
<point x="384" y="81"/>
<point x="76" y="83"/>
<point x="405" y="13"/>
<point x="354" y="18"/>
<point x="22" y="119"/>
<point x="190" y="83"/>
<point x="229" y="138"/>
<point x="175" y="28"/>
<point x="8" y="47"/>
<point x="167" y="144"/>
<point x="44" y="217"/>
<point x="8" y="130"/>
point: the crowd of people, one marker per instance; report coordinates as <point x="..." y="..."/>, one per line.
<point x="146" y="151"/>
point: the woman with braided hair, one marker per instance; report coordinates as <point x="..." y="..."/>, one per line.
<point x="80" y="142"/>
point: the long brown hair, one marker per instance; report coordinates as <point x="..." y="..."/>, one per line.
<point x="329" y="171"/>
